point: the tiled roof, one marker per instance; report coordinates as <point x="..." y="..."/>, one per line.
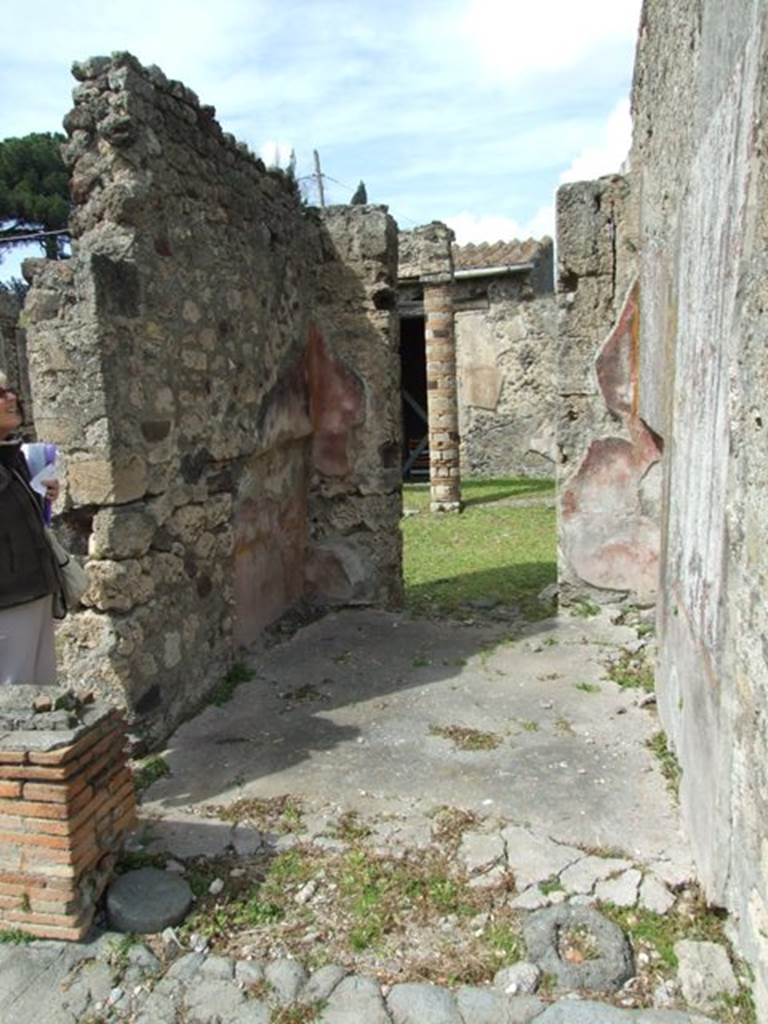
<point x="496" y="254"/>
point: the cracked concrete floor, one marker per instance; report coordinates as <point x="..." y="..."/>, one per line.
<point x="344" y="713"/>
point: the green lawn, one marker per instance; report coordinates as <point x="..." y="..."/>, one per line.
<point x="491" y="551"/>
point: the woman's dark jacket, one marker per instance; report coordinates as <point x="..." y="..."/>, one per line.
<point x="27" y="570"/>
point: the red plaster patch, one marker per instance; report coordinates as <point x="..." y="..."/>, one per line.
<point x="336" y="406"/>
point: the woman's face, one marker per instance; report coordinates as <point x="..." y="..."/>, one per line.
<point x="10" y="415"/>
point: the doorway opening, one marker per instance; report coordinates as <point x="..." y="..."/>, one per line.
<point x="413" y="370"/>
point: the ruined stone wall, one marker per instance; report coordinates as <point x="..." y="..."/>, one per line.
<point x="505" y="353"/>
<point x="356" y="501"/>
<point x="699" y="160"/>
<point x="201" y="408"/>
<point x="608" y="460"/>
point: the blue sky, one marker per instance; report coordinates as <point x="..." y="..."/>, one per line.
<point x="467" y="111"/>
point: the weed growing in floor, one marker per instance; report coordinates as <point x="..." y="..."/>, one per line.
<point x="296" y="1014"/>
<point x="119" y="949"/>
<point x="351" y="828"/>
<point x="632" y="671"/>
<point x="15" y="936"/>
<point x="133" y="860"/>
<point x="588" y="687"/>
<point x="564" y="727"/>
<point x="148" y="771"/>
<point x="577" y="944"/>
<point x="739" y="1008"/>
<point x="274" y="813"/>
<point x="585" y="609"/>
<point x="551" y="884"/>
<point x="528" y="724"/>
<point x="505" y="939"/>
<point x="670" y="766"/>
<point x="224" y="691"/>
<point x="450" y="824"/>
<point x="658" y="933"/>
<point x="465" y="738"/>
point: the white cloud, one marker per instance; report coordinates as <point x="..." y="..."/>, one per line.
<point x="514" y="39"/>
<point x="276" y="154"/>
<point x="608" y="152"/>
<point x="470" y="227"/>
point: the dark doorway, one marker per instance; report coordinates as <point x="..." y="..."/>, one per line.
<point x="413" y="368"/>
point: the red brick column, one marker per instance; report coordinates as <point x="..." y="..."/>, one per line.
<point x="64" y="812"/>
<point x="442" y="399"/>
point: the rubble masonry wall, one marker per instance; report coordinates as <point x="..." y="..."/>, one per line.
<point x="505" y="357"/>
<point x="202" y="362"/>
<point x="699" y="162"/>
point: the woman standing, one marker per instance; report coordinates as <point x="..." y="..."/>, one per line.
<point x="28" y="575"/>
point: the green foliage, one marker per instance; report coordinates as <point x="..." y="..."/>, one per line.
<point x="505" y="939"/>
<point x="670" y="766"/>
<point x="225" y="690"/>
<point x="15" y="936"/>
<point x="150" y="770"/>
<point x="585" y="609"/>
<point x="360" y="197"/>
<point x="632" y="671"/>
<point x="587" y="687"/>
<point x="660" y="932"/>
<point x="34" y="190"/>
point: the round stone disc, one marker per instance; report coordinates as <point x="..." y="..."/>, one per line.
<point x="147" y="900"/>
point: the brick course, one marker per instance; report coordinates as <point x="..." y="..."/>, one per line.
<point x="64" y="813"/>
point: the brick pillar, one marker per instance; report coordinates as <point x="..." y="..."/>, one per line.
<point x="442" y="400"/>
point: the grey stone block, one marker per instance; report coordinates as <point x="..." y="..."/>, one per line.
<point x="704" y="972"/>
<point x="322" y="983"/>
<point x="147" y="901"/>
<point x="422" y="1004"/>
<point x="286" y="978"/>
<point x="354" y="1000"/>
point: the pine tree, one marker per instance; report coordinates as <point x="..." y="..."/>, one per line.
<point x="360" y="198"/>
<point x="34" y="191"/>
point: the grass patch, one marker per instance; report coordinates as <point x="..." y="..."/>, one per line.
<point x="632" y="671"/>
<point x="361" y="910"/>
<point x="670" y="766"/>
<point x="464" y="738"/>
<point x="585" y="609"/>
<point x="506" y="940"/>
<point x="588" y="687"/>
<point x="490" y="550"/>
<point x="551" y="884"/>
<point x="528" y="724"/>
<point x="658" y="933"/>
<point x="148" y="771"/>
<point x="15" y="937"/>
<point x="224" y="691"/>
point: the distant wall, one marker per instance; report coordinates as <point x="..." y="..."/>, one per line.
<point x="208" y="361"/>
<point x="505" y="355"/>
<point x="699" y="159"/>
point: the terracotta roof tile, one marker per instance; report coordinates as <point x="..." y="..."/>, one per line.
<point x="496" y="254"/>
